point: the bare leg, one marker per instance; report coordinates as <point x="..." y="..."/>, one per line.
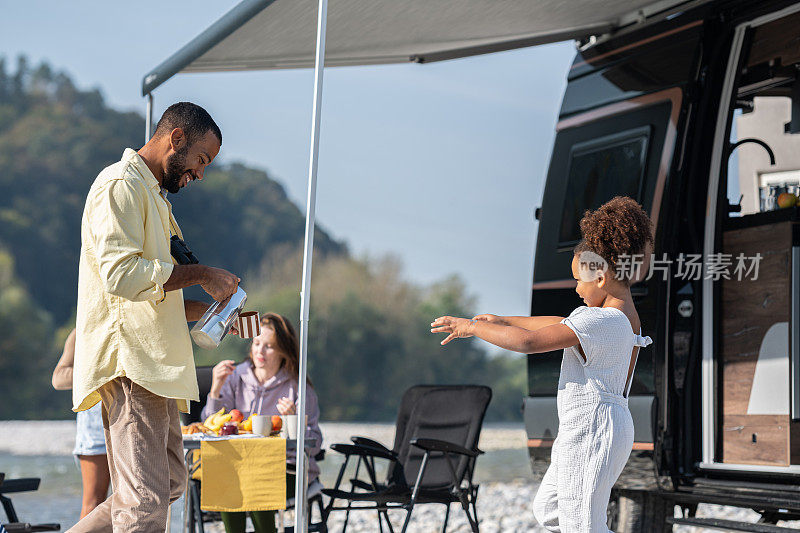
<point x="96" y="479"/>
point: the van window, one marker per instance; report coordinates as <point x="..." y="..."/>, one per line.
<point x="596" y="157"/>
<point x="599" y="170"/>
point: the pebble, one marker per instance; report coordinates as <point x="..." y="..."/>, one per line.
<point x="502" y="507"/>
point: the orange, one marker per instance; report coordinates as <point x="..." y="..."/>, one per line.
<point x="786" y="199"/>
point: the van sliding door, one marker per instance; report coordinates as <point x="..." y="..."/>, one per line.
<point x="751" y="304"/>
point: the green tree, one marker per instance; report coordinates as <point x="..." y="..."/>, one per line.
<point x="26" y="351"/>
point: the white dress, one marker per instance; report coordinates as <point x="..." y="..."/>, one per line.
<point x="595" y="431"/>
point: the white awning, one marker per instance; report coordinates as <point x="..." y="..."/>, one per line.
<point x="274" y="34"/>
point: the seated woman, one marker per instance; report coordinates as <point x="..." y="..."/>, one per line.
<point x="266" y="384"/>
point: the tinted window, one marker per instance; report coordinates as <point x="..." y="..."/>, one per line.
<point x="599" y="170"/>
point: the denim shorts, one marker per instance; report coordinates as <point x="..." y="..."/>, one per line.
<point x="90" y="438"/>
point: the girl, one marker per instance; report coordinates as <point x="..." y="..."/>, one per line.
<point x="601" y="344"/>
<point x="265" y="384"/>
<point x="90" y="440"/>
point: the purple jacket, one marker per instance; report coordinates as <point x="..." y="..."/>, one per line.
<point x="242" y="391"/>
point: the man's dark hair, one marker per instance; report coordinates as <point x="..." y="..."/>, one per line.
<point x="191" y="118"/>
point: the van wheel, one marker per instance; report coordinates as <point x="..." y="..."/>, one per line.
<point x="637" y="512"/>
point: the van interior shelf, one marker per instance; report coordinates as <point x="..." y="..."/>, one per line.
<point x="762" y="218"/>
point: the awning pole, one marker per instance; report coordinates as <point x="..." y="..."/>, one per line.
<point x="148" y="119"/>
<point x="300" y="521"/>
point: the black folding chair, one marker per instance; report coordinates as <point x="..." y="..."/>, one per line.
<point x="204" y="378"/>
<point x="9" y="486"/>
<point x="194" y="518"/>
<point x="433" y="459"/>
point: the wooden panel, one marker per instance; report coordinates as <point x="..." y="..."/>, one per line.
<point x="748" y="309"/>
<point x="756" y="439"/>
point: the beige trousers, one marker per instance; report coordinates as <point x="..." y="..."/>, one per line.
<point x="145" y="457"/>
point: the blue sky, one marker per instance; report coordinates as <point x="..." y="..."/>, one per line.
<point x="440" y="164"/>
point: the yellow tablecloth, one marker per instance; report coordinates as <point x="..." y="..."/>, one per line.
<point x="243" y="474"/>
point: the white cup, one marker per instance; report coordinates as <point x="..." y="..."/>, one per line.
<point x="262" y="425"/>
<point x="289" y="426"/>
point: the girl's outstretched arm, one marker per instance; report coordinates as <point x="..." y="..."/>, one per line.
<point x="527" y="322"/>
<point x="545" y="339"/>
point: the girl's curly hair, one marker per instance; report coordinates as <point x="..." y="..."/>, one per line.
<point x="617" y="228"/>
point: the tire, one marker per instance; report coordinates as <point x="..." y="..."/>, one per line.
<point x="637" y="512"/>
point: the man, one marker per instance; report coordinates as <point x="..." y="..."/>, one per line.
<point x="133" y="352"/>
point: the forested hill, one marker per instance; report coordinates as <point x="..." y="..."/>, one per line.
<point x="55" y="139"/>
<point x="369" y="338"/>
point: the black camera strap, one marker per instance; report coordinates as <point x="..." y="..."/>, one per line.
<point x="173" y="230"/>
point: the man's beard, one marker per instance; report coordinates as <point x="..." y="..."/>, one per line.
<point x="176" y="167"/>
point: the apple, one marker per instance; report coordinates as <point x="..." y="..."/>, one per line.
<point x="786" y="199"/>
<point x="236" y="415"/>
<point x="229" y="428"/>
<point x="276" y="423"/>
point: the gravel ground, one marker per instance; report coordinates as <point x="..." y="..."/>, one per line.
<point x="728" y="513"/>
<point x="501" y="507"/>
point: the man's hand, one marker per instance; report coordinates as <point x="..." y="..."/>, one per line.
<point x="458" y="328"/>
<point x="219" y="284"/>
<point x="194" y="309"/>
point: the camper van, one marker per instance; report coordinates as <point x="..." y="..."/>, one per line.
<point x="696" y="115"/>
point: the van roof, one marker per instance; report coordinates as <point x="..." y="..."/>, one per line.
<point x="277" y="34"/>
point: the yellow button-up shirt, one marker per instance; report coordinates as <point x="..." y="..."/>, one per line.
<point x="127" y="325"/>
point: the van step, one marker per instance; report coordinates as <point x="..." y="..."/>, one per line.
<point x="728" y="525"/>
